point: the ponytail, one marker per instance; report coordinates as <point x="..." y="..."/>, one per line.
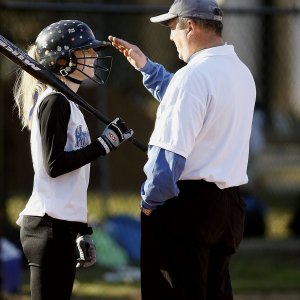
<point x="26" y="92"/>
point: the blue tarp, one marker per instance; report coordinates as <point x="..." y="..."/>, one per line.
<point x="11" y="266"/>
<point x="125" y="230"/>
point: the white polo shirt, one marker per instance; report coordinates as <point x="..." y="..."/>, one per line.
<point x="206" y="116"/>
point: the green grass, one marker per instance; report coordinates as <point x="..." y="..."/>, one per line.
<point x="262" y="265"/>
<point x="89" y="285"/>
<point x="267" y="266"/>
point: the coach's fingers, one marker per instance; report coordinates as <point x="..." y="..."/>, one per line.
<point x="133" y="53"/>
<point x="119" y="44"/>
<point x="137" y="58"/>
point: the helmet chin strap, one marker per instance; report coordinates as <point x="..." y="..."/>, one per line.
<point x="74" y="80"/>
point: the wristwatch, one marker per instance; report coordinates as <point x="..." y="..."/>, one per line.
<point x="146" y="211"/>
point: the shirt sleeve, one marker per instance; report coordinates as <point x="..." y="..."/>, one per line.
<point x="163" y="170"/>
<point x="54" y="115"/>
<point x="156" y="79"/>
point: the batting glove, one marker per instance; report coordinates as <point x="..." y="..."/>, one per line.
<point x="114" y="134"/>
<point x="86" y="251"/>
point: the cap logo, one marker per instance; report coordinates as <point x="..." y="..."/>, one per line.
<point x="218" y="18"/>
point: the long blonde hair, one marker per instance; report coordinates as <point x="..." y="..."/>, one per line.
<point x="26" y="91"/>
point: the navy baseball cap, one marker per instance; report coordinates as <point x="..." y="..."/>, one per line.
<point x="202" y="9"/>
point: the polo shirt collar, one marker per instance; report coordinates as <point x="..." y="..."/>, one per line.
<point x="213" y="51"/>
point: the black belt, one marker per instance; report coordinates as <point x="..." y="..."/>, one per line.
<point x="201" y="183"/>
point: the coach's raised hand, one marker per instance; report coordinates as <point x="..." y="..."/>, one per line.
<point x="133" y="53"/>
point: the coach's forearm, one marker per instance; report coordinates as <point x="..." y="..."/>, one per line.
<point x="163" y="170"/>
<point x="156" y="79"/>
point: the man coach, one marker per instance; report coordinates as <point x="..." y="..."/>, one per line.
<point x="192" y="213"/>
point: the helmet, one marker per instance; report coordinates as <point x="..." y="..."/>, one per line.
<point x="56" y="44"/>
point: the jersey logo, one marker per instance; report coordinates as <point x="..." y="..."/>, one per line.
<point x="82" y="137"/>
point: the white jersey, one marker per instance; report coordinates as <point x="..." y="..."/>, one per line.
<point x="63" y="197"/>
<point x="206" y="116"/>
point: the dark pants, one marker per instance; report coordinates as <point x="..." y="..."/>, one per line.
<point x="186" y="244"/>
<point x="49" y="246"/>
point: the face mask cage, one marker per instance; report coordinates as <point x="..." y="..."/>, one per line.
<point x="102" y="67"/>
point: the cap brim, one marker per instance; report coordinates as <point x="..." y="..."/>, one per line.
<point x="162" y="19"/>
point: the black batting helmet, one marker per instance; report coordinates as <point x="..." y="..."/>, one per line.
<point x="56" y="44"/>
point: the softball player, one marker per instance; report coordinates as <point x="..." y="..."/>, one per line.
<point x="192" y="212"/>
<point x="54" y="232"/>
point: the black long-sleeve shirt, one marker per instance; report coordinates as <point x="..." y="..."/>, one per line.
<point x="54" y="115"/>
